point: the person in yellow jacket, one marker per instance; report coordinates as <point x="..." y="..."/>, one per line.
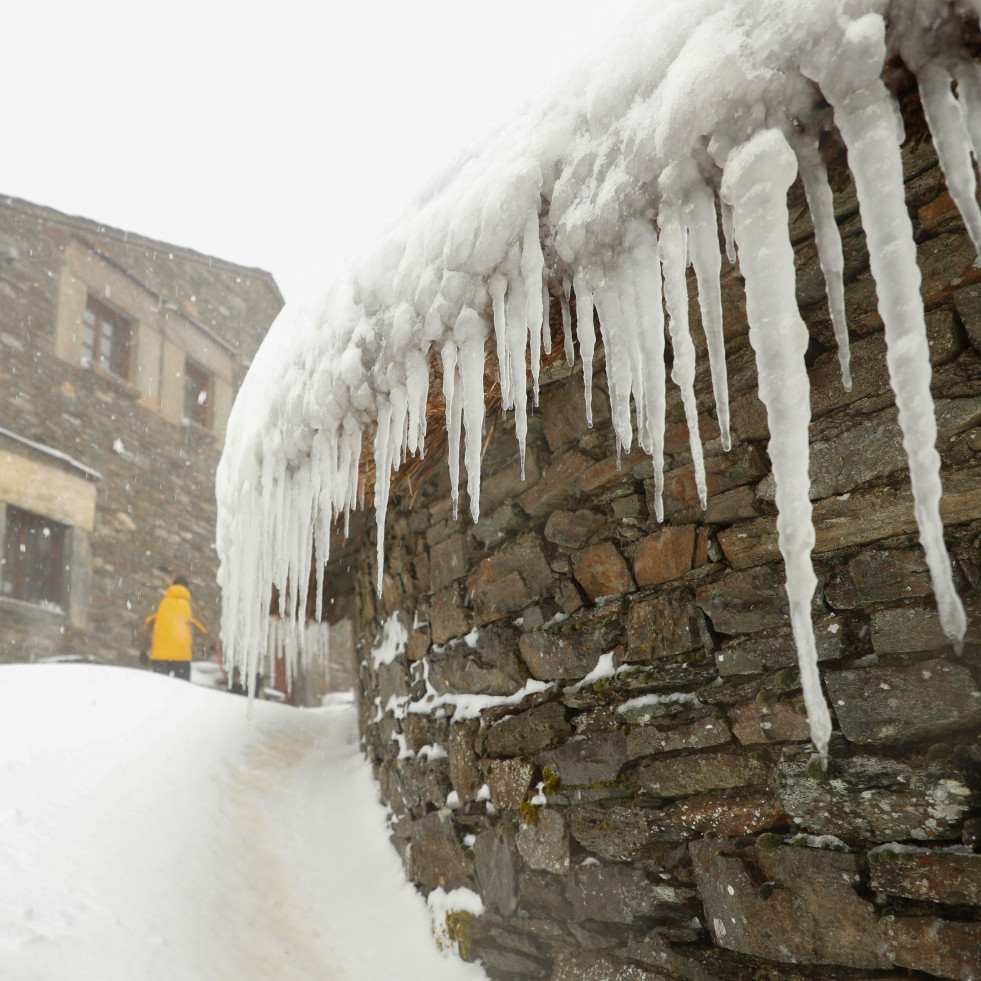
<point x="170" y="646"/>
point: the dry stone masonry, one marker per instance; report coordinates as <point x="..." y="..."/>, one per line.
<point x="594" y="720"/>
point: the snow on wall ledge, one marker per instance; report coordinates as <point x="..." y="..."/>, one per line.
<point x="610" y="188"/>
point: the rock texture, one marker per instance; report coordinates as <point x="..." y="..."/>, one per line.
<point x="646" y="803"/>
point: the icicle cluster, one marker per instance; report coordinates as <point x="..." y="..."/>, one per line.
<point x="708" y="107"/>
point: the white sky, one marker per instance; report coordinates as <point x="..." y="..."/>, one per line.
<point x="283" y="134"/>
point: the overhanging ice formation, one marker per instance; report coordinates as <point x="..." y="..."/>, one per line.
<point x="609" y="189"/>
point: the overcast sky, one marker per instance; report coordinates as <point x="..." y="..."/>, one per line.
<point x="283" y="134"/>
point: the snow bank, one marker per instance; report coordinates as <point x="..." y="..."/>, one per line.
<point x="609" y="188"/>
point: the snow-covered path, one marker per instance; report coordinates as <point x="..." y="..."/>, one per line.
<point x="149" y="830"/>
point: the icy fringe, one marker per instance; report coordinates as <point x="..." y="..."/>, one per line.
<point x="623" y="186"/>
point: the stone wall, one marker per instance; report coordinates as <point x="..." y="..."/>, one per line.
<point x="153" y="477"/>
<point x="666" y="817"/>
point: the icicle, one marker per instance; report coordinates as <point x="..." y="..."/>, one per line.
<point x="546" y="326"/>
<point x="618" y="368"/>
<point x="497" y="287"/>
<point x="671" y="248"/>
<point x="567" y="343"/>
<point x="470" y="333"/>
<point x="641" y="240"/>
<point x="820" y="201"/>
<point x="703" y="246"/>
<point x="945" y="117"/>
<point x="726" y="210"/>
<point x="532" y="270"/>
<point x="417" y="388"/>
<point x="516" y="321"/>
<point x="454" y="420"/>
<point x="865" y="119"/>
<point x="756" y="178"/>
<point x="586" y="337"/>
<point x="383" y="478"/>
<point x="967" y="74"/>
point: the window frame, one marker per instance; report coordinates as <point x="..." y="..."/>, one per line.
<point x="196" y="411"/>
<point x="19" y="583"/>
<point x="119" y="360"/>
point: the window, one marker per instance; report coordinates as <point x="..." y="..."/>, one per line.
<point x="31" y="568"/>
<point x="197" y="395"/>
<point x="106" y="337"/>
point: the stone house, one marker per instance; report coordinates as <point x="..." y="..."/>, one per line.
<point x="119" y="360"/>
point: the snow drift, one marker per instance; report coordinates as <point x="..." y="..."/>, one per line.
<point x="704" y="110"/>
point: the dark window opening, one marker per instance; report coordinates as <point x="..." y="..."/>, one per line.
<point x="197" y="395"/>
<point x="106" y="338"/>
<point x="32" y="567"/>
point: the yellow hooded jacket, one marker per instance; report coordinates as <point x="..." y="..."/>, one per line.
<point x="172" y="626"/>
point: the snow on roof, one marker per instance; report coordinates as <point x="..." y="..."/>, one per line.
<point x="608" y="188"/>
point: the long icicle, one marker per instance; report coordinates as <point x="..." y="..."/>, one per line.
<point x="866" y="121"/>
<point x="756" y="179"/>
<point x="820" y="201"/>
<point x="703" y="246"/>
<point x="671" y="249"/>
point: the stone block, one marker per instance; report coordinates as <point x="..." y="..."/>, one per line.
<point x="601" y="571"/>
<point x="435" y="856"/>
<point x="745" y="602"/>
<point x="510" y="579"/>
<point x="486" y="665"/>
<point x="615" y="832"/>
<point x="563" y="411"/>
<point x="496" y="861"/>
<point x="738" y="504"/>
<point x="418" y="645"/>
<point x="648" y="740"/>
<point x="661" y="627"/>
<point x="774" y="649"/>
<point x="544" y="894"/>
<point x="588" y="966"/>
<point x="967" y="302"/>
<point x="864" y="799"/>
<point x="744" y="464"/>
<point x="464" y="766"/>
<point x="939" y="947"/>
<point x="496" y="526"/>
<point x="528" y="732"/>
<point x="752" y="723"/>
<point x="572" y="529"/>
<point x="904" y="704"/>
<point x="877" y="576"/>
<point x="584" y="760"/>
<point x="610" y="893"/>
<point x="606" y="474"/>
<point x="506" y="484"/>
<point x="667" y="554"/>
<point x="935" y="877"/>
<point x="857" y="519"/>
<point x="681" y="776"/>
<point x="810" y="914"/>
<point x="568" y="597"/>
<point x="544" y="844"/>
<point x="724" y="814"/>
<point x="557" y="487"/>
<point x="448" y="561"/>
<point x="898" y="631"/>
<point x="567" y="651"/>
<point x="447" y="617"/>
<point x="509" y="781"/>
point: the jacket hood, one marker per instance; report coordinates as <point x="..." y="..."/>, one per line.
<point x="178" y="592"/>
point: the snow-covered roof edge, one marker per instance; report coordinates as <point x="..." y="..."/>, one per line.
<point x="608" y="189"/>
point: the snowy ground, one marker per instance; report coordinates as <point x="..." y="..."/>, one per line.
<point x="148" y="830"/>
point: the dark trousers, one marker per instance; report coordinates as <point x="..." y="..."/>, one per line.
<point x="179" y="669"/>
